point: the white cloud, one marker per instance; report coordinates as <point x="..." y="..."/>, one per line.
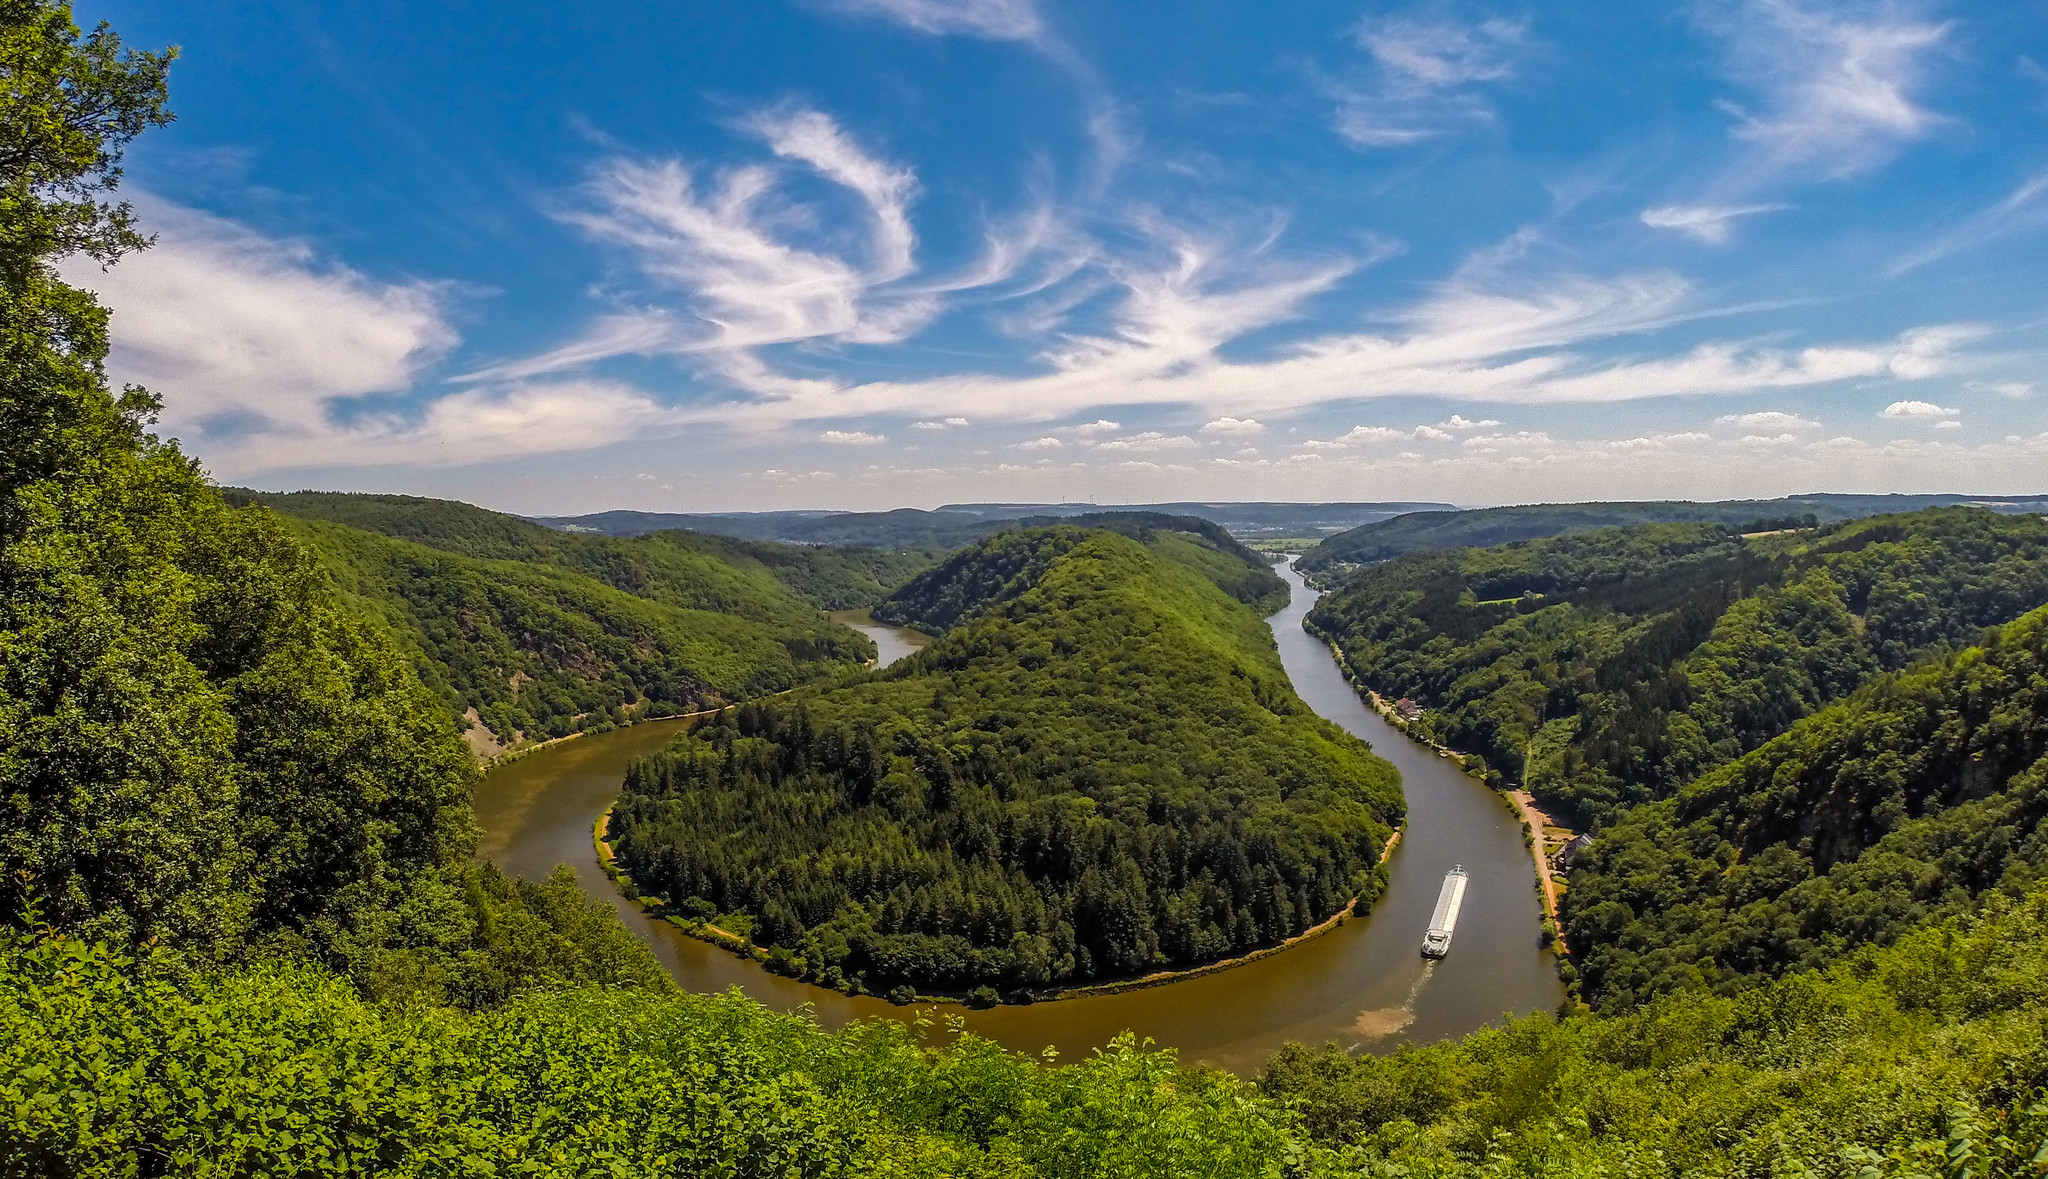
<point x="1460" y="422"/>
<point x="1713" y="224"/>
<point x="1046" y="443"/>
<point x="1432" y="434"/>
<point x="946" y="424"/>
<point x="995" y="20"/>
<point x="1424" y="72"/>
<point x="2024" y="210"/>
<point x="1373" y="434"/>
<point x="817" y="140"/>
<point x="1149" y="440"/>
<point x="1098" y="426"/>
<point x="2014" y="389"/>
<point x="1951" y="424"/>
<point x="1918" y="410"/>
<point x="249" y="332"/>
<point x="468" y="427"/>
<point x="852" y="438"/>
<point x="1767" y="419"/>
<point x="1227" y="425"/>
<point x="1836" y="84"/>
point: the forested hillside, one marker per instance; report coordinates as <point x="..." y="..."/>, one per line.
<point x="682" y="568"/>
<point x="1098" y="771"/>
<point x="1905" y="802"/>
<point x="528" y="634"/>
<point x="204" y="755"/>
<point x="1003" y="567"/>
<point x="1924" y="1059"/>
<point x="1482" y="527"/>
<point x="1609" y="667"/>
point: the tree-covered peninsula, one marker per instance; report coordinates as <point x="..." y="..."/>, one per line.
<point x="1100" y="770"/>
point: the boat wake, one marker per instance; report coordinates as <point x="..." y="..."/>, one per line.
<point x="1380" y="1022"/>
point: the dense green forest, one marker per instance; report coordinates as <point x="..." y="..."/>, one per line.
<point x="1000" y="569"/>
<point x="1099" y="770"/>
<point x="1428" y="531"/>
<point x="678" y="567"/>
<point x="1927" y="1058"/>
<point x="527" y="633"/>
<point x="1609" y="667"/>
<point x="245" y="935"/>
<point x="204" y="752"/>
<point x="1906" y="801"/>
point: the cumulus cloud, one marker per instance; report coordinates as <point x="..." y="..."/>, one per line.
<point x="852" y="438"/>
<point x="1432" y="434"/>
<point x="1713" y="224"/>
<point x="1046" y="443"/>
<point x="1149" y="440"/>
<point x="1460" y="422"/>
<point x="1767" y="419"/>
<point x="1373" y="434"/>
<point x="1918" y="411"/>
<point x="1098" y="426"/>
<point x="994" y="20"/>
<point x="1228" y="425"/>
<point x="945" y="424"/>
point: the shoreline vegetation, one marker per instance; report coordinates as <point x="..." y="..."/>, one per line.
<point x="1534" y="820"/>
<point x="726" y="939"/>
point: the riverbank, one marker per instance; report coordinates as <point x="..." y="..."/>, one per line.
<point x="726" y="939"/>
<point x="1533" y="818"/>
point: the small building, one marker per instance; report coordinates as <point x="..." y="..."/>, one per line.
<point x="1407" y="709"/>
<point x="1563" y="856"/>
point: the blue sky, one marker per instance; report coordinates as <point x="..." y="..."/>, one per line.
<point x="870" y="253"/>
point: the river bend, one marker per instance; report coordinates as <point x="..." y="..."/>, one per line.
<point x="1363" y="984"/>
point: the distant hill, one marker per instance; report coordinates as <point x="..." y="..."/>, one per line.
<point x="953" y="525"/>
<point x="529" y="633"/>
<point x="1480" y="527"/>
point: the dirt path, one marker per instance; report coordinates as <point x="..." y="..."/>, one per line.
<point x="1533" y="815"/>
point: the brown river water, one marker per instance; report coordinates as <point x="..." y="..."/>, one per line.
<point x="1364" y="984"/>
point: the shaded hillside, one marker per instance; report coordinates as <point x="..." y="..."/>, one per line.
<point x="682" y="568"/>
<point x="1003" y="567"/>
<point x="1099" y="770"/>
<point x="528" y="650"/>
<point x="1904" y="802"/>
<point x="1608" y="667"/>
<point x="1481" y="527"/>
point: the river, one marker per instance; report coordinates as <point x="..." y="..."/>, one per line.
<point x="1363" y="984"/>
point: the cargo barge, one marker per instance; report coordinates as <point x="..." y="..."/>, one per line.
<point x="1437" y="942"/>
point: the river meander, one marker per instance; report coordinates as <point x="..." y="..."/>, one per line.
<point x="1362" y="984"/>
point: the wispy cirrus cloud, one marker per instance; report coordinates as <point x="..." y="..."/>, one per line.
<point x="997" y="20"/>
<point x="1713" y="224"/>
<point x="1835" y="88"/>
<point x="2025" y="209"/>
<point x="1423" y="77"/>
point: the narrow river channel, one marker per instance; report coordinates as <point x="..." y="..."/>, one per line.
<point x="1364" y="984"/>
